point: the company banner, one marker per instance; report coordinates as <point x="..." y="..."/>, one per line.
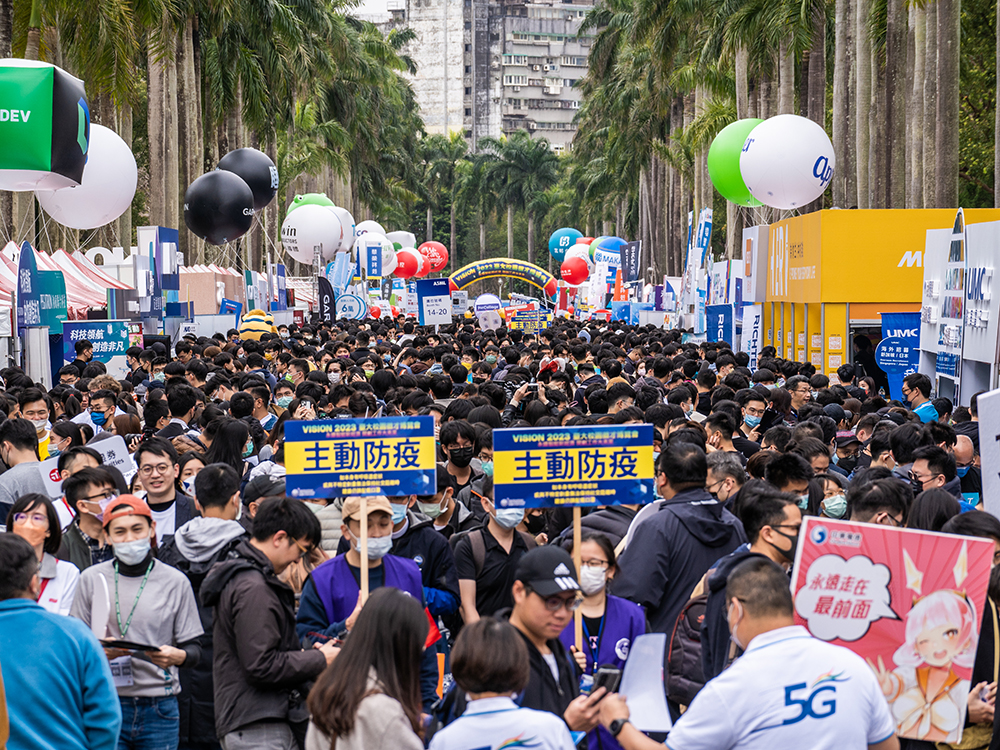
<point x="898" y="354"/>
<point x="566" y="466"/>
<point x="753" y="332"/>
<point x="952" y="316"/>
<point x="392" y="456"/>
<point x="373" y="261"/>
<point x="908" y="602"/>
<point x="109" y="337"/>
<point x="631" y="260"/>
<point x="41" y="295"/>
<point x="433" y="302"/>
<point x="504" y="268"/>
<point x="326" y="300"/>
<point x="720" y="324"/>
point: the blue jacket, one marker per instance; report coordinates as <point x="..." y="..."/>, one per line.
<point x="57" y="680"/>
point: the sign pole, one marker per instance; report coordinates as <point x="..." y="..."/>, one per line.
<point x="364" y="549"/>
<point x="578" y="613"/>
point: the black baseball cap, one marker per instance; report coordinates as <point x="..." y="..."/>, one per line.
<point x="548" y="571"/>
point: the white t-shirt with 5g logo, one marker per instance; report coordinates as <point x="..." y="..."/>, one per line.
<point x="789" y="690"/>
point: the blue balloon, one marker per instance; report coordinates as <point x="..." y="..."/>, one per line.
<point x="561" y="241"/>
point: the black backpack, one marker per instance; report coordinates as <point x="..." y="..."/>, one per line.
<point x="684" y="674"/>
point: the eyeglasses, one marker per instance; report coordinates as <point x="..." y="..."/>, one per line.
<point x="102" y="495"/>
<point x="148" y="471"/>
<point x="36" y="519"/>
<point x="916" y="478"/>
<point x="305" y="550"/>
<point x="602" y="564"/>
<point x="895" y="521"/>
<point x="797" y="527"/>
<point x="555" y="603"/>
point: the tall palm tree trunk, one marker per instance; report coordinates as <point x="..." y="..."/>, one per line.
<point x="915" y="111"/>
<point x="786" y="78"/>
<point x="6" y="41"/>
<point x="452" y="247"/>
<point x="996" y="126"/>
<point x="895" y="106"/>
<point x="430" y="223"/>
<point x="862" y="100"/>
<point x="482" y="237"/>
<point x="930" y="104"/>
<point x="841" y="101"/>
<point x="531" y="236"/>
<point x="946" y="126"/>
<point x="510" y="230"/>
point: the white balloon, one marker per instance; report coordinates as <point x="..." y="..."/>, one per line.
<point x="368" y="226"/>
<point x="389" y="263"/>
<point x="580" y="250"/>
<point x="787" y="161"/>
<point x="405" y="239"/>
<point x="107" y="189"/>
<point x="308" y="227"/>
<point x="347" y="222"/>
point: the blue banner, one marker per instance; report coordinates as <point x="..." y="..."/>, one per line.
<point x="720" y="323"/>
<point x="41" y="295"/>
<point x="109" y="337"/>
<point x="373" y="260"/>
<point x="568" y="466"/>
<point x="902" y="354"/>
<point x="392" y="456"/>
<point x="433" y="302"/>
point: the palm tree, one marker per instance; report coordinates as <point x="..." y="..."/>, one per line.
<point x="450" y="152"/>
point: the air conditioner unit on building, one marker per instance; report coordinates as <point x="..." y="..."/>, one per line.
<point x="536" y="67"/>
<point x="517" y="88"/>
<point x="548" y="68"/>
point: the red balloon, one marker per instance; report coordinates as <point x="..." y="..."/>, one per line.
<point x="436" y="253"/>
<point x="425" y="266"/>
<point x="375" y="311"/>
<point x="584" y="240"/>
<point x="395" y="311"/>
<point x="574" y="271"/>
<point x="408" y="264"/>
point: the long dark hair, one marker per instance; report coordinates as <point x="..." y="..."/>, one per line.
<point x="227" y="445"/>
<point x="389" y="637"/>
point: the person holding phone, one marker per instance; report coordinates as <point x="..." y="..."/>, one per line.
<point x="610" y="624"/>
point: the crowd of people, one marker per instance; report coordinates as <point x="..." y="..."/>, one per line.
<point x="184" y="600"/>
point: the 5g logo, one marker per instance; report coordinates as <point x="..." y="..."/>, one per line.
<point x="807" y="706"/>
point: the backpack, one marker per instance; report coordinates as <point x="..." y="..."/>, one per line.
<point x="684" y="674"/>
<point x="478" y="543"/>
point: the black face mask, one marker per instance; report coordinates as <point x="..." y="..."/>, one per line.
<point x="535" y="524"/>
<point x="848" y="464"/>
<point x="460" y="457"/>
<point x="788" y="554"/>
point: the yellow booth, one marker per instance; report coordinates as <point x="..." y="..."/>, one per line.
<point x="830" y="274"/>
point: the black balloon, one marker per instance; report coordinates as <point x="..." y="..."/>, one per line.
<point x="257" y="171"/>
<point x="218" y="207"/>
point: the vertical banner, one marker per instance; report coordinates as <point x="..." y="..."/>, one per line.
<point x="949" y="357"/>
<point x="433" y="302"/>
<point x="373" y="261"/>
<point x="41" y="295"/>
<point x="631" y="260"/>
<point x="898" y="353"/>
<point x="753" y="331"/>
<point x="988" y="406"/>
<point x="721" y="324"/>
<point x="281" y="288"/>
<point x="326" y="300"/>
<point x="909" y="602"/>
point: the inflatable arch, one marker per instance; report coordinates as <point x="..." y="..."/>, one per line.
<point x="504" y="267"/>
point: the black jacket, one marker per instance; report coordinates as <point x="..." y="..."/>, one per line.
<point x="197" y="700"/>
<point x="184" y="512"/>
<point x="259" y="667"/>
<point x="612" y="521"/>
<point x="542" y="692"/>
<point x="715" y="626"/>
<point x="671" y="550"/>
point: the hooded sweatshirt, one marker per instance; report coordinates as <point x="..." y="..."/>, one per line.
<point x="671" y="550"/>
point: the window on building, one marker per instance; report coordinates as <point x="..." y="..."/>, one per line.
<point x="468" y="68"/>
<point x="468" y="24"/>
<point x="468" y="112"/>
<point x="468" y="48"/>
<point x="468" y="91"/>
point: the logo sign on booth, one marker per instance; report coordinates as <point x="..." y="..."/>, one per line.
<point x="109" y="337"/>
<point x="720" y="323"/>
<point x="888" y="594"/>
<point x="351" y="307"/>
<point x="753" y="325"/>
<point x="567" y="466"/>
<point x="433" y="301"/>
<point x="383" y="456"/>
<point x="900" y="348"/>
<point x="631" y="259"/>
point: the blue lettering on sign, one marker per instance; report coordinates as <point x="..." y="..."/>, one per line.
<point x="746" y="145"/>
<point x="902" y="333"/>
<point x="976" y="283"/>
<point x="822" y="170"/>
<point x="806" y="706"/>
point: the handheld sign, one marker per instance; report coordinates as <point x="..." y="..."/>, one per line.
<point x="887" y="594"/>
<point x="390" y="456"/>
<point x="573" y="467"/>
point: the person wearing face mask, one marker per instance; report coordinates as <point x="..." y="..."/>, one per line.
<point x="753" y="692"/>
<point x="147" y="602"/>
<point x="449" y="515"/>
<point x="88" y="493"/>
<point x="487" y="558"/>
<point x="34" y="518"/>
<point x="19" y="451"/>
<point x="196" y="547"/>
<point x="610" y="624"/>
<point x="834" y="503"/>
<point x="331" y="598"/>
<point x="791" y="473"/>
<point x="458" y="443"/>
<point x="771" y="520"/>
<point x="414" y="537"/>
<point x="35" y="408"/>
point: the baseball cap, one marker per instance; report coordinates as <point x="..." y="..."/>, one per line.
<point x="548" y="571"/>
<point x="835" y="412"/>
<point x="262" y="487"/>
<point x="126" y="505"/>
<point x="846" y="438"/>
<point x="352" y="507"/>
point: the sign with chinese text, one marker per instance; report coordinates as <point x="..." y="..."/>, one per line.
<point x="390" y="456"/>
<point x="898" y="353"/>
<point x="566" y="466"/>
<point x="529" y="321"/>
<point x="908" y="602"/>
<point x="433" y="302"/>
<point x="41" y="295"/>
<point x="109" y="337"/>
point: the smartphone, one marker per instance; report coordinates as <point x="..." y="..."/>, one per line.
<point x="607" y="678"/>
<point x="770" y="418"/>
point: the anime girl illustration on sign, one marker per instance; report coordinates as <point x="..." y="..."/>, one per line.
<point x="926" y="695"/>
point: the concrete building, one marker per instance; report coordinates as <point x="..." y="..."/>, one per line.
<point x="488" y="69"/>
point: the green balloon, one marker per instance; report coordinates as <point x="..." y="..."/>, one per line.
<point x="724" y="162"/>
<point x="309" y="199"/>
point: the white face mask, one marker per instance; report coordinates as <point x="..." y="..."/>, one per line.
<point x="334" y="377"/>
<point x="592" y="580"/>
<point x="732" y="627"/>
<point x="378" y="546"/>
<point x="39" y="425"/>
<point x="132" y="553"/>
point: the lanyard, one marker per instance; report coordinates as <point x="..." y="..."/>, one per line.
<point x="45" y="582"/>
<point x="123" y="629"/>
<point x="595" y="651"/>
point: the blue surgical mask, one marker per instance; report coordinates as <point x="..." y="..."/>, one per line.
<point x="836" y="506"/>
<point x="53" y="452"/>
<point x="98" y="417"/>
<point x="398" y="512"/>
<point x="597" y="370"/>
<point x="248" y="448"/>
<point x="751" y="421"/>
<point x="284" y="401"/>
<point x="488" y="468"/>
<point x="804" y="501"/>
<point x="962" y="470"/>
<point x="378" y="546"/>
<point x="835" y="459"/>
<point x="159" y="376"/>
<point x="508" y="518"/>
